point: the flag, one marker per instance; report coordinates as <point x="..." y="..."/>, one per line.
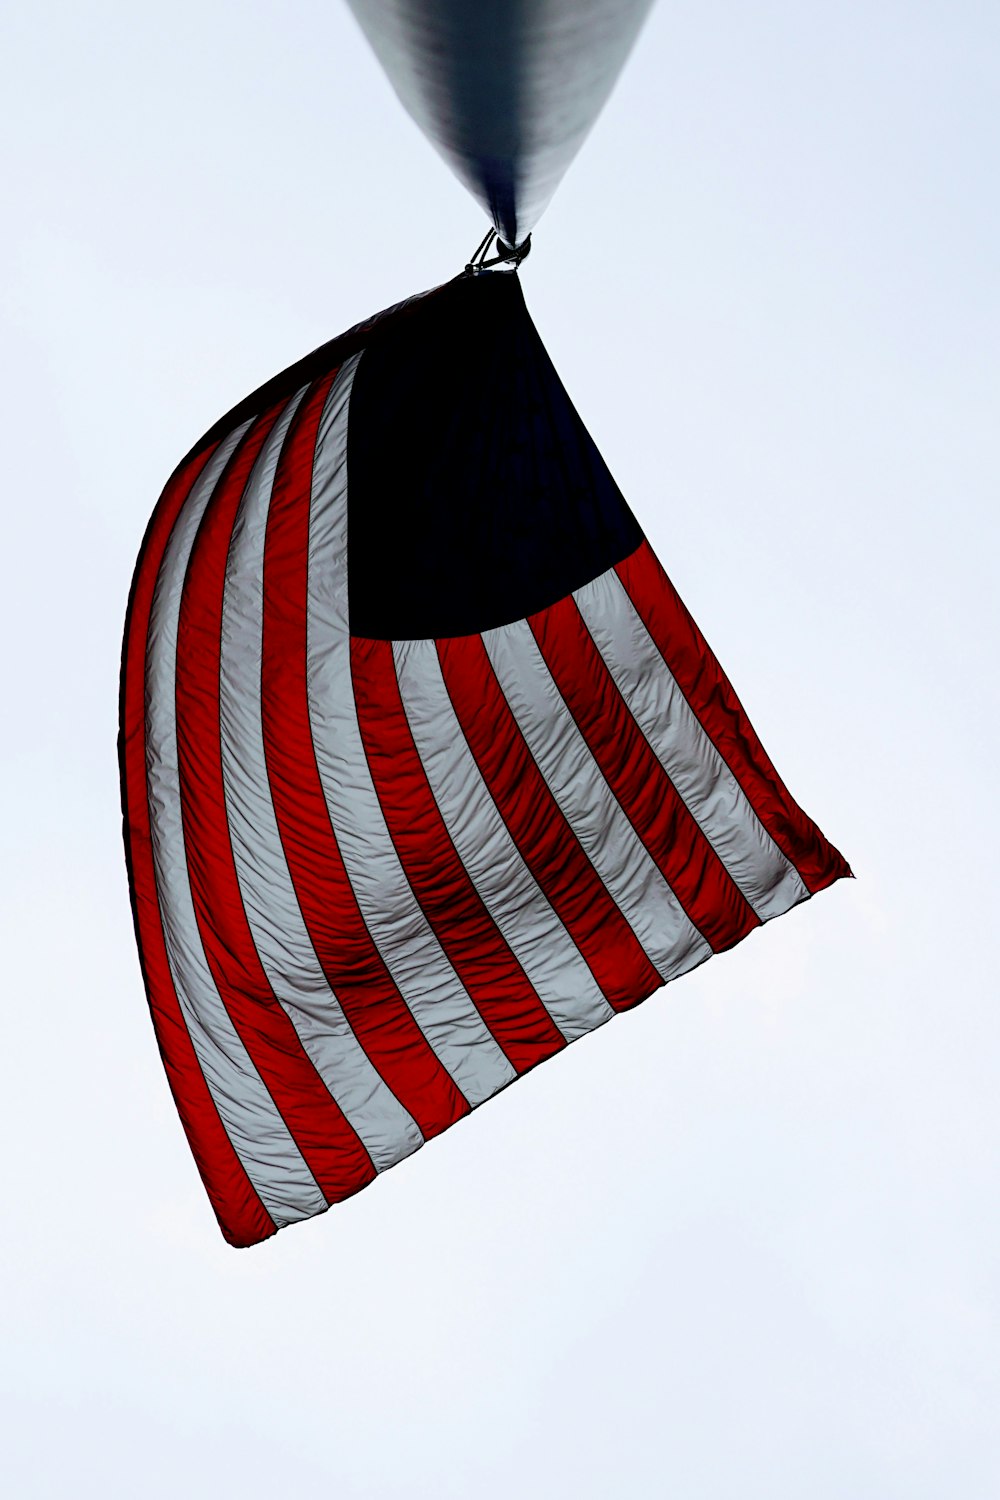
<point x="427" y="771"/>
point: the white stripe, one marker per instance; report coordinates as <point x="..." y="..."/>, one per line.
<point x="259" y="1136"/>
<point x="414" y="957"/>
<point x="506" y="886"/>
<point x="279" y="931"/>
<point x="711" y="792"/>
<point x="612" y="845"/>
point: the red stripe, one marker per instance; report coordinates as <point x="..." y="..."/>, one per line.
<point x="327" y="1141"/>
<point x="537" y="825"/>
<point x="478" y="951"/>
<point x="648" y="797"/>
<point x="242" y="1217"/>
<point x="353" y="965"/>
<point x="707" y="689"/>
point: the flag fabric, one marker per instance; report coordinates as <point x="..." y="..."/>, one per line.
<point x="427" y="771"/>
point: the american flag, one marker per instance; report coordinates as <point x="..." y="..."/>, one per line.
<point x="427" y="771"/>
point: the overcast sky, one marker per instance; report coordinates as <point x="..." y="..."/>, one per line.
<point x="744" y="1242"/>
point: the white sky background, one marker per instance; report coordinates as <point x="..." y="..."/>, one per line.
<point x="745" y="1241"/>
